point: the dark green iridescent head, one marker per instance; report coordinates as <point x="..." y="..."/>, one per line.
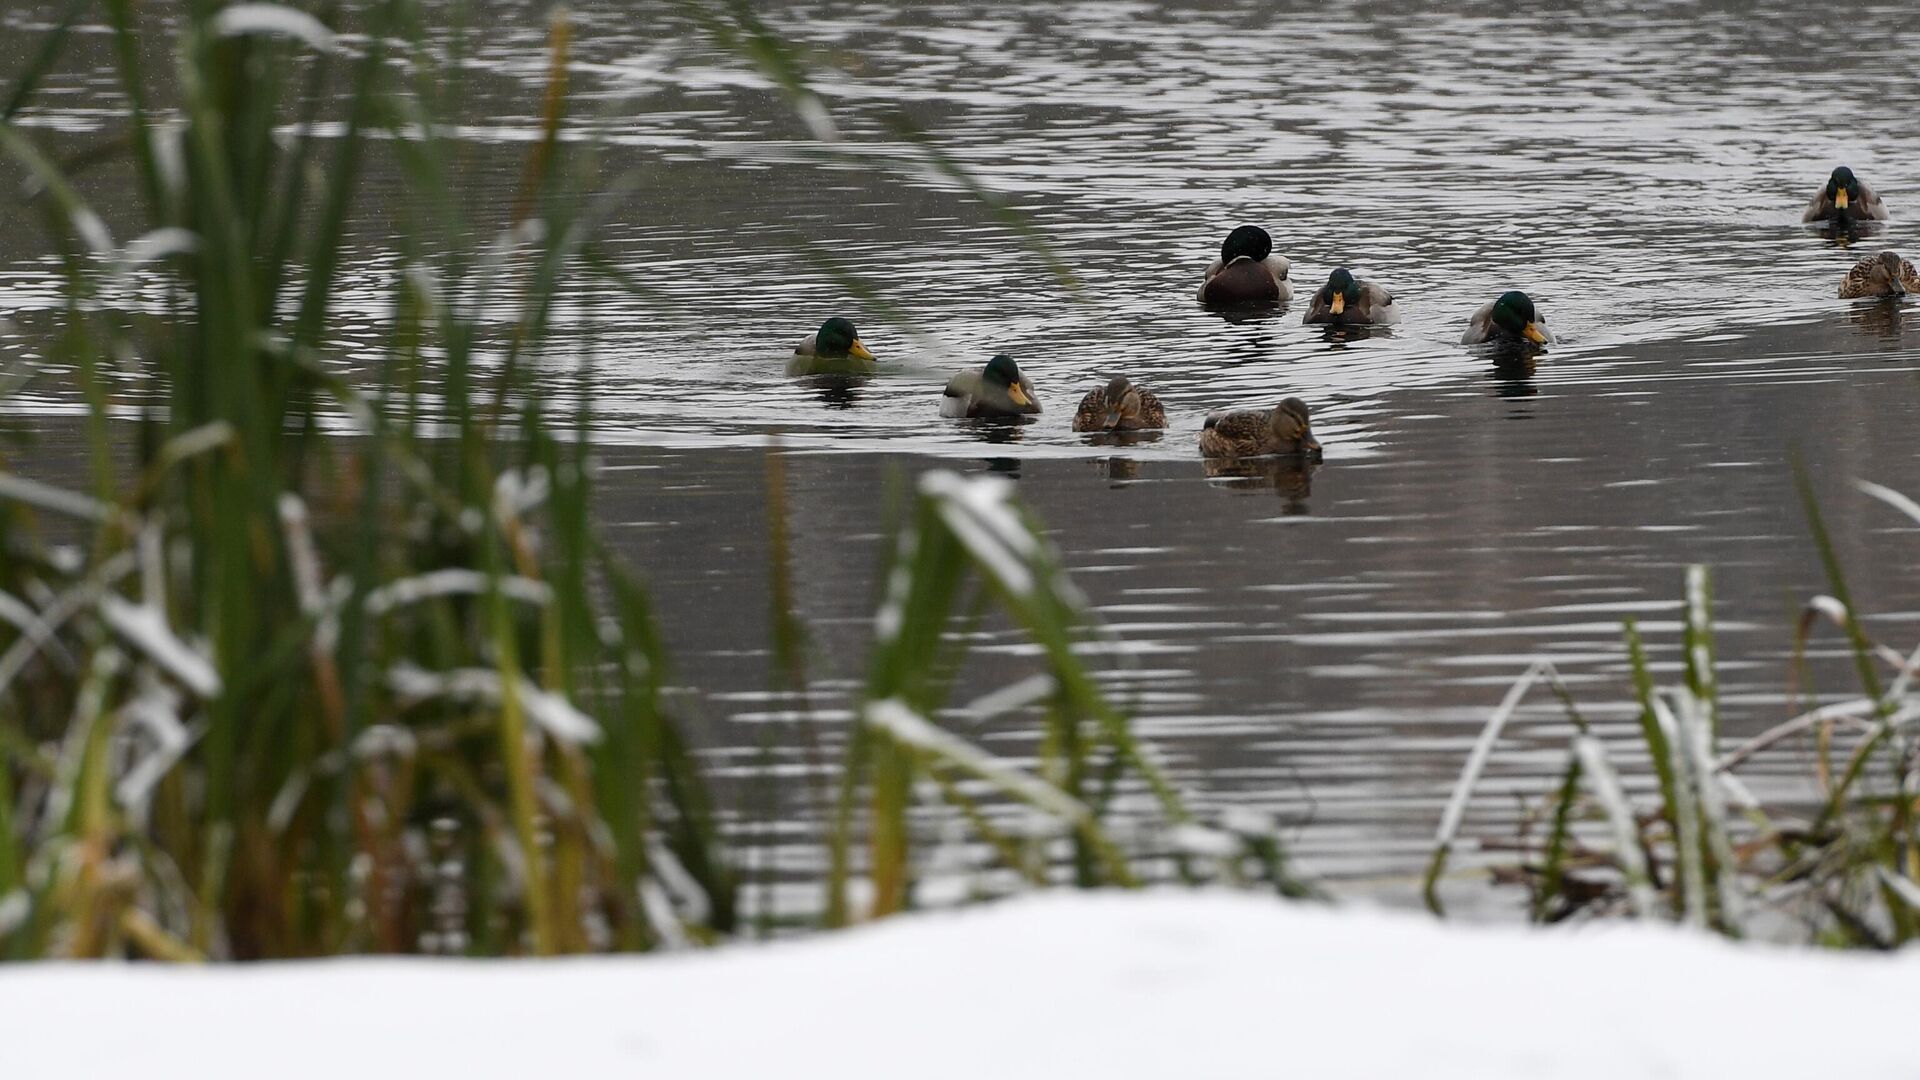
<point x="1002" y="371"/>
<point x="1513" y="312"/>
<point x="836" y="337"/>
<point x="1251" y="241"/>
<point x="1343" y="282"/>
<point x="1843" y="178"/>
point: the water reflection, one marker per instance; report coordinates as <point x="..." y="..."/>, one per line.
<point x="1289" y="477"/>
<point x="1117" y="471"/>
<point x="835" y="391"/>
<point x="1254" y="313"/>
<point x="1884" y="319"/>
<point x="1341" y="335"/>
<point x="1844" y="232"/>
<point x="1123" y="438"/>
<point x="998" y="430"/>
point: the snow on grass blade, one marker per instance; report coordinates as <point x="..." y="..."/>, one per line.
<point x="59" y="500"/>
<point x="237" y="20"/>
<point x="902" y="723"/>
<point x="552" y="711"/>
<point x="453" y="581"/>
<point x="1626" y="838"/>
<point x="1892" y="498"/>
<point x="145" y="628"/>
<point x="977" y="511"/>
<point x="1688" y="851"/>
<point x="1698" y="731"/>
<point x="1477" y="758"/>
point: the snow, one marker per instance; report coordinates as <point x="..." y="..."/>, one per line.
<point x="1106" y="986"/>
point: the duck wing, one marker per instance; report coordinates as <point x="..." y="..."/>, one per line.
<point x="960" y="395"/>
<point x="1152" y="413"/>
<point x="1859" y="280"/>
<point x="1479" y="326"/>
<point x="1240" y="432"/>
<point x="1819" y="208"/>
<point x="1092" y="413"/>
<point x="1377" y="305"/>
<point x="1871" y="207"/>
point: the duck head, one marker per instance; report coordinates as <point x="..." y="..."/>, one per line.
<point x="837" y="338"/>
<point x="1514" y="313"/>
<point x="1291" y="427"/>
<point x="1123" y="402"/>
<point x="1002" y="372"/>
<point x="1246" y="242"/>
<point x="1887" y="265"/>
<point x="1842" y="188"/>
<point x="1340" y="290"/>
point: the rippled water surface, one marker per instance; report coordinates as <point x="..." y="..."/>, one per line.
<point x="1321" y="645"/>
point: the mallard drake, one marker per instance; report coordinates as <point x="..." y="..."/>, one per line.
<point x="1509" y="318"/>
<point x="995" y="390"/>
<point x="1283" y="429"/>
<point x="1348" y="301"/>
<point x="834" y="349"/>
<point x="1845" y="198"/>
<point x="1885" y="274"/>
<point x="1247" y="272"/>
<point x="1119" y="406"/>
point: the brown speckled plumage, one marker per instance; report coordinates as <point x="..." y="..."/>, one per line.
<point x="1283" y="429"/>
<point x="1119" y="406"/>
<point x="1885" y="274"/>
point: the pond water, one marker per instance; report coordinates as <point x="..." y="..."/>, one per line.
<point x="1323" y="646"/>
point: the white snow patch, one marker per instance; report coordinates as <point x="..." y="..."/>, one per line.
<point x="549" y="709"/>
<point x="978" y="512"/>
<point x="275" y="19"/>
<point x="146" y="629"/>
<point x="1107" y="985"/>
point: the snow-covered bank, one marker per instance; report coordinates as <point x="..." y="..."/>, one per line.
<point x="1066" y="985"/>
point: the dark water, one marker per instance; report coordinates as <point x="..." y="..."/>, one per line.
<point x="1321" y="646"/>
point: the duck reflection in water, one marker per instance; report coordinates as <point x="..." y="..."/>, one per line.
<point x="1240" y="315"/>
<point x="835" y="391"/>
<point x="1884" y="319"/>
<point x="1843" y="232"/>
<point x="1289" y="477"/>
<point x="1117" y="471"/>
<point x="1511" y="365"/>
<point x="1008" y="467"/>
<point x="1340" y="336"/>
<point x="998" y="430"/>
<point x="1122" y="438"/>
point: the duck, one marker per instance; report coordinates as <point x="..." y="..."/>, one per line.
<point x="1511" y="317"/>
<point x="999" y="389"/>
<point x="1119" y="406"/>
<point x="834" y="349"/>
<point x="1283" y="429"/>
<point x="1885" y="274"/>
<point x="1845" y="198"/>
<point x="1247" y="272"/>
<point x="1347" y="301"/>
